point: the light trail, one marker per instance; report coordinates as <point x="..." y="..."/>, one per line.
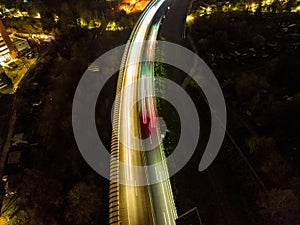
<point x="157" y="200"/>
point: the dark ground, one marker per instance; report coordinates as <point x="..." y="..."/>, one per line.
<point x="255" y="178"/>
<point x="256" y="61"/>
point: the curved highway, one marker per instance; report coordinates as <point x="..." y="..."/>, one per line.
<point x="133" y="120"/>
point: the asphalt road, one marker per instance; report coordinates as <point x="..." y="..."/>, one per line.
<point x="133" y="120"/>
<point x="173" y="27"/>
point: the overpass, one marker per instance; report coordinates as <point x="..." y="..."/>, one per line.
<point x="130" y="203"/>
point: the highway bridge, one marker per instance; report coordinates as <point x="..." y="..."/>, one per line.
<point x="130" y="202"/>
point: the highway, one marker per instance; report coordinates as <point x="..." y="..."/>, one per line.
<point x="131" y="202"/>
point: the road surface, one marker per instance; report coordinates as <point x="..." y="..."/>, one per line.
<point x="129" y="203"/>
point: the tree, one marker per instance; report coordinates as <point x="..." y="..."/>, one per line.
<point x="268" y="159"/>
<point x="279" y="207"/>
<point x="38" y="200"/>
<point x="84" y="203"/>
<point x="248" y="85"/>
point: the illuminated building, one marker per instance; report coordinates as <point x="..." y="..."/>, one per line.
<point x="131" y="6"/>
<point x="20" y="44"/>
<point x="5" y="40"/>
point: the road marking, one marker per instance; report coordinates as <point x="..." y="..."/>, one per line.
<point x="166" y="222"/>
<point x="136" y="192"/>
<point x="129" y="166"/>
<point x="156" y="173"/>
